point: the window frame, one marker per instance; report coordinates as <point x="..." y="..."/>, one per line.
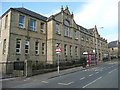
<point x="65" y="49"/>
<point x="76" y="50"/>
<point x="6" y="21"/>
<point x="33" y="26"/>
<point x="21" y="24"/>
<point x="17" y="46"/>
<point x="66" y="28"/>
<point x="4" y="46"/>
<point x="43" y="48"/>
<point x="57" y="28"/>
<point x="27" y="43"/>
<point x="42" y="26"/>
<point x="37" y="50"/>
<point x="71" y="50"/>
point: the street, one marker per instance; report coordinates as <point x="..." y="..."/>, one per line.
<point x="104" y="75"/>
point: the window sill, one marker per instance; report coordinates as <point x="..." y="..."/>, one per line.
<point x="32" y="31"/>
<point x="76" y="39"/>
<point x="68" y="37"/>
<point x="36" y="54"/>
<point x="43" y="54"/>
<point x="58" y="34"/>
<point x="26" y="54"/>
<point x="23" y="28"/>
<point x="18" y="54"/>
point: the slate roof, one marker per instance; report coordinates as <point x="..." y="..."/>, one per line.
<point x="31" y="13"/>
<point x="113" y="44"/>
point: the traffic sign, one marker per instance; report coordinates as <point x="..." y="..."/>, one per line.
<point x="58" y="50"/>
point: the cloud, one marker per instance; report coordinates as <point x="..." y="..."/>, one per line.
<point x="103" y="13"/>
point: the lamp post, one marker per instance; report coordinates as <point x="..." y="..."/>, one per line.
<point x="96" y="44"/>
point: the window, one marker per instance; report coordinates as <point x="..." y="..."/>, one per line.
<point x="87" y="39"/>
<point x="66" y="28"/>
<point x="6" y="21"/>
<point x="26" y="47"/>
<point x="57" y="28"/>
<point x="75" y="34"/>
<point x="32" y="25"/>
<point x="43" y="48"/>
<point x="4" y="46"/>
<point x="65" y="49"/>
<point x="76" y="50"/>
<point x="82" y="38"/>
<point x="91" y="41"/>
<point x="70" y="50"/>
<point x="18" y="46"/>
<point x="36" y="48"/>
<point x="42" y="25"/>
<point x="21" y="21"/>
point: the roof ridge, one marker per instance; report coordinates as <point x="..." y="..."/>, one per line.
<point x="32" y="13"/>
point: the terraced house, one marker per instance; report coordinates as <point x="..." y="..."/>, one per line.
<point x="26" y="35"/>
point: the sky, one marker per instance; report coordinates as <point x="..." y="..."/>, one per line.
<point x="87" y="13"/>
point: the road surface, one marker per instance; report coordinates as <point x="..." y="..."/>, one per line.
<point x="101" y="76"/>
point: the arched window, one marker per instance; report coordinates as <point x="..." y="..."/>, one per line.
<point x="66" y="28"/>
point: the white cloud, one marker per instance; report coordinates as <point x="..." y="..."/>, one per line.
<point x="103" y="13"/>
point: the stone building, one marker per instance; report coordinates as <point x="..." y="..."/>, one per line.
<point x="26" y="35"/>
<point x="113" y="49"/>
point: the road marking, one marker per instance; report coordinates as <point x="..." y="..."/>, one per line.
<point x="92" y="82"/>
<point x="44" y="81"/>
<point x="112" y="71"/>
<point x="97" y="72"/>
<point x="7" y="79"/>
<point x="26" y="79"/>
<point x="82" y="78"/>
<point x="96" y="69"/>
<point x="66" y="83"/>
<point x="90" y="74"/>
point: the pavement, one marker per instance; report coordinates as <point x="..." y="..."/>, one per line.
<point x="49" y="75"/>
<point x="102" y="75"/>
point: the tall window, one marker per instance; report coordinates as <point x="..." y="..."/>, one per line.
<point x="82" y="38"/>
<point x="70" y="50"/>
<point x="57" y="28"/>
<point x="36" y="48"/>
<point x="32" y="25"/>
<point x="43" y="48"/>
<point x="6" y="21"/>
<point x="4" y="46"/>
<point x="26" y="47"/>
<point x="76" y="50"/>
<point x="65" y="49"/>
<point x="75" y="34"/>
<point x="66" y="28"/>
<point x="42" y="26"/>
<point x="86" y="39"/>
<point x="21" y="21"/>
<point x="18" y="46"/>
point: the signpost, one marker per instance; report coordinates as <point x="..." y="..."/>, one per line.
<point x="58" y="50"/>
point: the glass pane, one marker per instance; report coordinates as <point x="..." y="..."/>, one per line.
<point x="26" y="46"/>
<point x="21" y="19"/>
<point x="18" y="46"/>
<point x="17" y="50"/>
<point x="26" y="51"/>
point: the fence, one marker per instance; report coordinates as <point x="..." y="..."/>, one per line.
<point x="40" y="67"/>
<point x="28" y="68"/>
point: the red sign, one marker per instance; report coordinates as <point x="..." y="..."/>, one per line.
<point x="58" y="50"/>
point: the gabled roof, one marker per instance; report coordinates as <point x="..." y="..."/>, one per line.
<point x="30" y="13"/>
<point x="113" y="44"/>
